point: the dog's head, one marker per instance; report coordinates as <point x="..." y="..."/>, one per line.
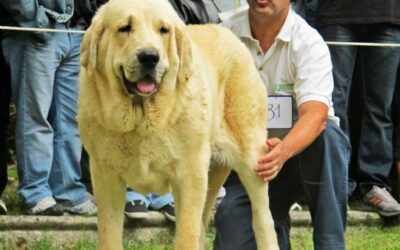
<point x="142" y="43"/>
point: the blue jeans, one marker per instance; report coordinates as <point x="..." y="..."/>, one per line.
<point x="378" y="79"/>
<point x="154" y="201"/>
<point x="44" y="79"/>
<point x="319" y="173"/>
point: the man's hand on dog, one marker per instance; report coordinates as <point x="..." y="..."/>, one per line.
<point x="271" y="163"/>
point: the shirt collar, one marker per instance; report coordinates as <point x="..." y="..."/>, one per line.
<point x="285" y="34"/>
<point x="244" y="31"/>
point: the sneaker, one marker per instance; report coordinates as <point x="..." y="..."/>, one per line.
<point x="169" y="211"/>
<point x="136" y="209"/>
<point x="382" y="202"/>
<point x="91" y="197"/>
<point x="296" y="207"/>
<point x="47" y="206"/>
<point x="3" y="208"/>
<point x="87" y="208"/>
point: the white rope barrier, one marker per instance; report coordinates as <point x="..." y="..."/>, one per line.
<point x="364" y="44"/>
<point x="10" y="28"/>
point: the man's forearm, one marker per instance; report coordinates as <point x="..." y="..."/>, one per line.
<point x="312" y="121"/>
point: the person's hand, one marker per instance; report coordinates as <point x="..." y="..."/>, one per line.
<point x="270" y="164"/>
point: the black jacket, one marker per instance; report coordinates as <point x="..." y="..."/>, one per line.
<point x="196" y="11"/>
<point x="358" y="12"/>
<point x="85" y="10"/>
<point x="191" y="11"/>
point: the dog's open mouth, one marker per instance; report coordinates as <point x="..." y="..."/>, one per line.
<point x="144" y="87"/>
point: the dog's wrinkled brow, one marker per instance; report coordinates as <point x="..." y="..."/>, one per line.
<point x="129" y="21"/>
<point x="126" y="26"/>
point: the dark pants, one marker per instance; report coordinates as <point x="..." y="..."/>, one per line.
<point x="319" y="173"/>
<point x="5" y="94"/>
<point x="396" y="118"/>
<point x="85" y="168"/>
<point x="378" y="80"/>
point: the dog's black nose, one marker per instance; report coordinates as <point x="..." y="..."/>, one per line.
<point x="148" y="58"/>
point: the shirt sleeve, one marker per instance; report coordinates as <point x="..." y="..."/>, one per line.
<point x="314" y="80"/>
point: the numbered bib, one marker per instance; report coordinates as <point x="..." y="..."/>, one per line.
<point x="280" y="113"/>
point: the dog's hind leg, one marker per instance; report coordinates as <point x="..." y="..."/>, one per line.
<point x="263" y="225"/>
<point x="109" y="191"/>
<point x="216" y="177"/>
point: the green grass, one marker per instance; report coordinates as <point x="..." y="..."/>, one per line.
<point x="162" y="242"/>
<point x="368" y="236"/>
<point x="10" y="197"/>
<point x="357" y="238"/>
<point x="12" y="172"/>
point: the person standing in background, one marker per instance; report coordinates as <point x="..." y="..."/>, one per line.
<point x="396" y="117"/>
<point x="5" y="96"/>
<point x="375" y="21"/>
<point x="44" y="77"/>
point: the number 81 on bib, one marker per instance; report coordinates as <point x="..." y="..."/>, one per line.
<point x="280" y="113"/>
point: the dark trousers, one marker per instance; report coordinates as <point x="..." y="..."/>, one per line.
<point x="85" y="168"/>
<point x="5" y="94"/>
<point x="319" y="174"/>
<point x="396" y="118"/>
<point x="378" y="68"/>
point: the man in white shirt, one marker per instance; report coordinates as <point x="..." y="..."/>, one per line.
<point x="307" y="152"/>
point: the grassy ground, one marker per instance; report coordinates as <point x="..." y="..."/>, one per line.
<point x="10" y="197"/>
<point x="357" y="238"/>
<point x="368" y="236"/>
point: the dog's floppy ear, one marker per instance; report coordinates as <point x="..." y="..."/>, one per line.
<point x="91" y="40"/>
<point x="184" y="49"/>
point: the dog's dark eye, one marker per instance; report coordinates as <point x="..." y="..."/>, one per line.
<point x="164" y="30"/>
<point x="125" y="29"/>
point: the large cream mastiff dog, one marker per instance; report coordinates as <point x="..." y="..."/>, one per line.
<point x="165" y="107"/>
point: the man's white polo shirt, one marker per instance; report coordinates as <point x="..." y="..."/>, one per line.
<point x="297" y="64"/>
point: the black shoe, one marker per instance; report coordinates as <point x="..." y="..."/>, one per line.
<point x="55" y="210"/>
<point x="169" y="211"/>
<point x="136" y="209"/>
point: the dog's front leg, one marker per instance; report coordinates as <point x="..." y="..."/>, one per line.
<point x="109" y="191"/>
<point x="190" y="194"/>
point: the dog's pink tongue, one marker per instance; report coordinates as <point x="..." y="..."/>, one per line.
<point x="146" y="86"/>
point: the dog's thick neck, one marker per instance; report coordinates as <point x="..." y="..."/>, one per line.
<point x="137" y="101"/>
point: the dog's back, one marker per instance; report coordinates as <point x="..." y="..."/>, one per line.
<point x="239" y="95"/>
